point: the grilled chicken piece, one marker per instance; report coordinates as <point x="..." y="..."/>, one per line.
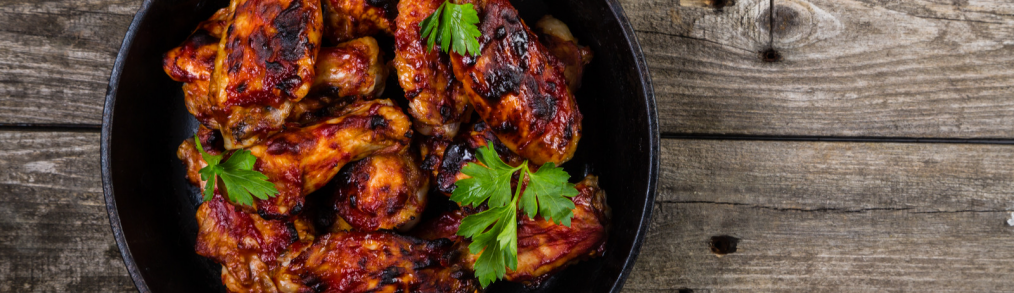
<point x="192" y="63"/>
<point x="436" y="99"/>
<point x="249" y="248"/>
<point x="561" y="43"/>
<point x="432" y="151"/>
<point x="462" y="151"/>
<point x="543" y="247"/>
<point x="351" y="71"/>
<point x="381" y="192"/>
<point x="349" y="19"/>
<point x="301" y="160"/>
<point x="519" y="89"/>
<point x="366" y="262"/>
<point x="265" y="61"/>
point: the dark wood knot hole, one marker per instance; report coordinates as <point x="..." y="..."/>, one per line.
<point x="770" y="55"/>
<point x="723" y="244"/>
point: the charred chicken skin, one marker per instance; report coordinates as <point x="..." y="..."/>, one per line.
<point x="543" y="246"/>
<point x="519" y="88"/>
<point x="561" y="43"/>
<point x="301" y="160"/>
<point x="265" y="61"/>
<point x="349" y="19"/>
<point x="249" y="248"/>
<point x="462" y="151"/>
<point x="367" y="262"/>
<point x="192" y="63"/>
<point x="436" y="99"/>
<point x="346" y="73"/>
<point x="381" y="192"/>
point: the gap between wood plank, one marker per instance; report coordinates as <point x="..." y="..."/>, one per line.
<point x="701" y="136"/>
<point x="50" y="127"/>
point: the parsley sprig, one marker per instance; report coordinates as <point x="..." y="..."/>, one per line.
<point x="237" y="174"/>
<point x="453" y="26"/>
<point x="546" y="195"/>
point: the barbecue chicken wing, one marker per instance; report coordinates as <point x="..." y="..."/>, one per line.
<point x="249" y="248"/>
<point x="349" y="19"/>
<point x="436" y="99"/>
<point x="346" y="73"/>
<point x="301" y="160"/>
<point x="462" y="151"/>
<point x="381" y="192"/>
<point x="519" y="89"/>
<point x="265" y="61"/>
<point x="543" y="247"/>
<point x="192" y="63"/>
<point x="557" y="37"/>
<point x="368" y="262"/>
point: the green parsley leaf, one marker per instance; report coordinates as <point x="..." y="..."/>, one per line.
<point x="454" y="27"/>
<point x="494" y="232"/>
<point x="241" y="182"/>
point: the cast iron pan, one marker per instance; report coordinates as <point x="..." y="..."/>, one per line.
<point x="151" y="206"/>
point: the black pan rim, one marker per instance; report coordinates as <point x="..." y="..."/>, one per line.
<point x="121" y="57"/>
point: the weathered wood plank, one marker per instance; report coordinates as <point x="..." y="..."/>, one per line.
<point x="54" y="231"/>
<point x="819" y="216"/>
<point x="839" y="175"/>
<point x="848" y="67"/>
<point x="56" y="57"/>
<point x="808" y="251"/>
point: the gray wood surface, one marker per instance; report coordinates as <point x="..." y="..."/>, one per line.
<point x="809" y="216"/>
<point x="54" y="232"/>
<point x="911" y="68"/>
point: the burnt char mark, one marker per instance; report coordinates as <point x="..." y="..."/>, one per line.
<point x="259" y="43"/>
<point x="288" y="84"/>
<point x="543" y="107"/>
<point x="377" y="121"/>
<point x="296" y="209"/>
<point x="445" y="113"/>
<point x="291" y="23"/>
<point x="315" y="283"/>
<point x="500" y="32"/>
<point x="390" y="275"/>
<point x="274" y="67"/>
<point x="430" y="162"/>
<point x="293" y="233"/>
<point x="505" y="127"/>
<point x="200" y="38"/>
<point x="502" y="79"/>
<point x="519" y="43"/>
<point x="281" y="145"/>
<point x="455" y="156"/>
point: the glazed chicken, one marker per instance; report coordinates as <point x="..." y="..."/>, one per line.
<point x="381" y="192"/>
<point x="436" y="99"/>
<point x="370" y="262"/>
<point x="519" y="88"/>
<point x="192" y="63"/>
<point x="301" y="160"/>
<point x="461" y="151"/>
<point x="561" y="43"/>
<point x="249" y="248"/>
<point x="543" y="246"/>
<point x="265" y="62"/>
<point x="349" y="19"/>
<point x="257" y="78"/>
<point x="346" y="73"/>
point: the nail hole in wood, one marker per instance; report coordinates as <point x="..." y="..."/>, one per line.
<point x="723" y="244"/>
<point x="770" y="55"/>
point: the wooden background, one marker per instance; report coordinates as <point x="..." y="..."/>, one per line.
<point x="833" y="145"/>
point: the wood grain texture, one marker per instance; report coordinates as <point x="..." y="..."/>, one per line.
<point x="915" y="68"/>
<point x="830" y="217"/>
<point x="56" y="57"/>
<point x="54" y="231"/>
